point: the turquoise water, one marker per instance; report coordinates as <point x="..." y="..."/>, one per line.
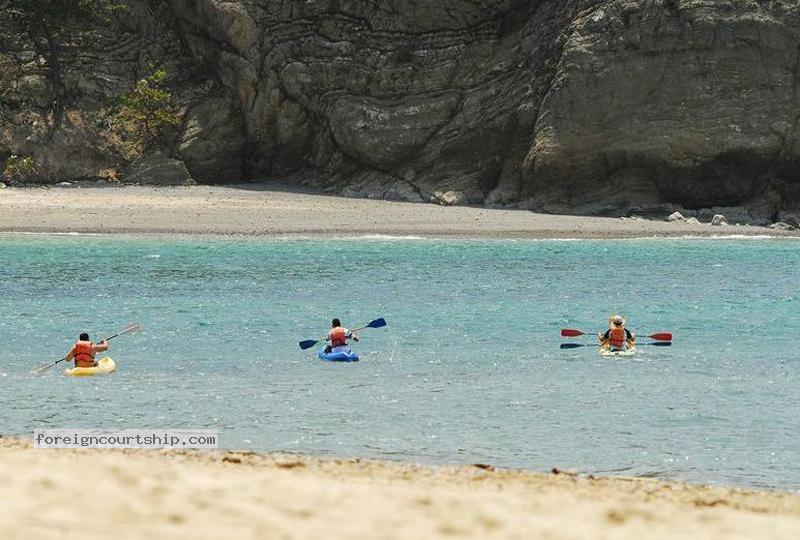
<point x="468" y="369"/>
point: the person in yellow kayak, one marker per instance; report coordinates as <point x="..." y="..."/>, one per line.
<point x="337" y="338"/>
<point x="84" y="350"/>
<point x="617" y="337"/>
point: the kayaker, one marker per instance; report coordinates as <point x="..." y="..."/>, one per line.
<point x="617" y="337"/>
<point x="84" y="350"/>
<point x="337" y="338"/>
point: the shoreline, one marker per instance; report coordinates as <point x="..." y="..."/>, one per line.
<point x="428" y="462"/>
<point x="180" y="494"/>
<point x="232" y="211"/>
<point x="308" y="236"/>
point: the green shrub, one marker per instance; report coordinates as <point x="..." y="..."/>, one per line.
<point x="19" y="169"/>
<point x="148" y="115"/>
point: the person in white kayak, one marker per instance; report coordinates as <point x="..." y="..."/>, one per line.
<point x="617" y="337"/>
<point x="337" y="338"/>
<point x="84" y="350"/>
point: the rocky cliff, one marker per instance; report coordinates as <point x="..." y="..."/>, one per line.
<point x="597" y="106"/>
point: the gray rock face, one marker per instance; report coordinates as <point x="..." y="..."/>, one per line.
<point x="609" y="107"/>
<point x="705" y="215"/>
<point x="654" y="117"/>
<point x="213" y="141"/>
<point x="733" y="214"/>
<point x="719" y="220"/>
<point x="157" y="169"/>
<point x="790" y="218"/>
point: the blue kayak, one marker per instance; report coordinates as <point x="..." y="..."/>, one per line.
<point x="350" y="356"/>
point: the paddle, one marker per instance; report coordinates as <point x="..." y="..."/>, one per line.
<point x="576" y="345"/>
<point x="660" y="336"/>
<point x="133" y="327"/>
<point x="377" y="323"/>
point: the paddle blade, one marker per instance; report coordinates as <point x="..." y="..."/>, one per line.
<point x="308" y="343"/>
<point x="661" y="344"/>
<point x="133" y="327"/>
<point x="572" y="345"/>
<point x="42" y="369"/>
<point x="661" y="336"/>
<point x="377" y="323"/>
<point x="568" y="332"/>
<point x="47" y="366"/>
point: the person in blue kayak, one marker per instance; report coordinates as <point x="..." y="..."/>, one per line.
<point x="617" y="337"/>
<point x="337" y="338"/>
<point x="84" y="350"/>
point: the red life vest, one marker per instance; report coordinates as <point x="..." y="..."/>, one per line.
<point x="84" y="355"/>
<point x="616" y="337"/>
<point x="338" y="337"/>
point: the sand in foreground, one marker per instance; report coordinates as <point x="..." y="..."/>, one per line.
<point x="248" y="211"/>
<point x="94" y="494"/>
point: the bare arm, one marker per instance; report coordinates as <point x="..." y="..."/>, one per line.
<point x="100" y="347"/>
<point x="70" y="355"/>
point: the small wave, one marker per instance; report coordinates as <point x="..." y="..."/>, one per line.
<point x="650" y="238"/>
<point x="525" y="240"/>
<point x="66" y="233"/>
<point x="651" y="474"/>
<point x="385" y="237"/>
<point x="736" y="237"/>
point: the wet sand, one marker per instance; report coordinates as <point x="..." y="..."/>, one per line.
<point x="248" y="211"/>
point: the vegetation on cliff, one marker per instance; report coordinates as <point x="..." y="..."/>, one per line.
<point x="147" y="117"/>
<point x="18" y="169"/>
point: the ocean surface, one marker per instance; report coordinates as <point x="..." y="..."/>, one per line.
<point x="468" y="369"/>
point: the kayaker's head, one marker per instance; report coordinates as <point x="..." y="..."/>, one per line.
<point x="336" y="323"/>
<point x="84" y="337"/>
<point x="617" y="320"/>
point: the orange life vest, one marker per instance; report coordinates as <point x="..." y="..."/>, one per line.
<point x="338" y="337"/>
<point x="616" y="337"/>
<point x="84" y="355"/>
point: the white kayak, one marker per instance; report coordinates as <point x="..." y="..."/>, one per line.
<point x="620" y="353"/>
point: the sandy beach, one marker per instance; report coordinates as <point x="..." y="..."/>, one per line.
<point x="257" y="211"/>
<point x="160" y="494"/>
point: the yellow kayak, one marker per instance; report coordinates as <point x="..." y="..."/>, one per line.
<point x="104" y="367"/>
